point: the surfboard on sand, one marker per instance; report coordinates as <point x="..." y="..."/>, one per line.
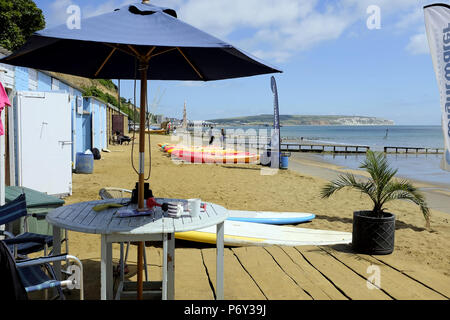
<point x="270" y="217"/>
<point x="239" y="233"/>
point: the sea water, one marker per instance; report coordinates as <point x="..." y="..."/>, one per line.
<point x="421" y="167"/>
<point x="376" y="137"/>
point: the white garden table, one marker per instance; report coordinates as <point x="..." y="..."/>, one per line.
<point x="158" y="226"/>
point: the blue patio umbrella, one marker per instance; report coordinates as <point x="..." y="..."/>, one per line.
<point x="109" y="46"/>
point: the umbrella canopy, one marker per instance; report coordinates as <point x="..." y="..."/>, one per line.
<point x="109" y="46"/>
<point x="106" y="47"/>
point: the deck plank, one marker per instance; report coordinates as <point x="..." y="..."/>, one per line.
<point x="239" y="285"/>
<point x="270" y="278"/>
<point x="429" y="277"/>
<point x="392" y="282"/>
<point x="349" y="283"/>
<point x="191" y="285"/>
<point x="308" y="278"/>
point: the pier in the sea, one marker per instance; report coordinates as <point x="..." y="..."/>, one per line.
<point x="413" y="150"/>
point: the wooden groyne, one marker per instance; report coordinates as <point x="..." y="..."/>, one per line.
<point x="335" y="148"/>
<point x="413" y="150"/>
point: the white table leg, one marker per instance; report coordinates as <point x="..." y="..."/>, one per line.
<point x="219" y="263"/>
<point x="164" y="275"/>
<point x="171" y="268"/>
<point x="57" y="250"/>
<point x="106" y="275"/>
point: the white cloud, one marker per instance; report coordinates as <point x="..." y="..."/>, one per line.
<point x="418" y="44"/>
<point x="410" y="19"/>
<point x="274" y="30"/>
<point x="387" y="7"/>
<point x="223" y="17"/>
<point x="57" y="14"/>
<point x="192" y="84"/>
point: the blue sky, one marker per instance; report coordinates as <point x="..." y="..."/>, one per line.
<point x="333" y="63"/>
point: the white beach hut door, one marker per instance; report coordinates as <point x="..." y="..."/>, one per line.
<point x="44" y="142"/>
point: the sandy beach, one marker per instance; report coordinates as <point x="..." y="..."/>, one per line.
<point x="243" y="187"/>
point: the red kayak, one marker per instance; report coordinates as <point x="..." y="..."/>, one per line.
<point x="211" y="157"/>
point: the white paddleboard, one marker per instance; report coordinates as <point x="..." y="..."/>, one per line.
<point x="270" y="217"/>
<point x="238" y="233"/>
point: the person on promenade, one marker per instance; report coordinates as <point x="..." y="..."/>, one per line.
<point x="211" y="136"/>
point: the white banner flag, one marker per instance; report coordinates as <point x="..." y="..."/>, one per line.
<point x="437" y="23"/>
<point x="275" y="140"/>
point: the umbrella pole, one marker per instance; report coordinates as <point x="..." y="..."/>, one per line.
<point x="143" y="69"/>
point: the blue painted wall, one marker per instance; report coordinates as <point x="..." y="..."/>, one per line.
<point x="21" y="80"/>
<point x="64" y="87"/>
<point x="44" y="82"/>
<point x="96" y="115"/>
<point x="97" y="112"/>
<point x="83" y="124"/>
<point x="86" y="131"/>
<point x="103" y="116"/>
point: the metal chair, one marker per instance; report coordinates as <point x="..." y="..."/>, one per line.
<point x="25" y="276"/>
<point x="25" y="243"/>
<point x="117" y="193"/>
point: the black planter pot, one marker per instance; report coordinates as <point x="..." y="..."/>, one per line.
<point x="372" y="235"/>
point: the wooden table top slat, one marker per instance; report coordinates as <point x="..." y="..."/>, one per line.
<point x="82" y="218"/>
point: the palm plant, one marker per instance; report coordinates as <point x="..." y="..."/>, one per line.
<point x="381" y="188"/>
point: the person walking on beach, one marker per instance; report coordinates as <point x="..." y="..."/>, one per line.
<point x="211" y="135"/>
<point x="222" y="137"/>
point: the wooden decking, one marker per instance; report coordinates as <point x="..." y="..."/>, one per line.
<point x="298" y="273"/>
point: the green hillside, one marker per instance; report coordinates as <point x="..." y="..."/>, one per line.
<point x="295" y="120"/>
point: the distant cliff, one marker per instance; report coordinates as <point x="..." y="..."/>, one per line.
<point x="298" y="120"/>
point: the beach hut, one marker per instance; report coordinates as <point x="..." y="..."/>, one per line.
<point x="92" y="124"/>
<point x="47" y="94"/>
<point x="116" y="120"/>
<point x="91" y="120"/>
